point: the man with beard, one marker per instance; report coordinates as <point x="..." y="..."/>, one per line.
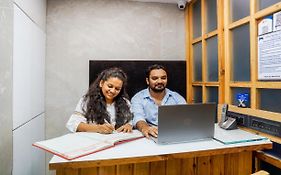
<point x="145" y="103"/>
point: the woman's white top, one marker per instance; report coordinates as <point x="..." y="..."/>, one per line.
<point x="79" y="116"/>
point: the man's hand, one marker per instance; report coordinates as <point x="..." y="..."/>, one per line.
<point x="150" y="130"/>
<point x="147" y="130"/>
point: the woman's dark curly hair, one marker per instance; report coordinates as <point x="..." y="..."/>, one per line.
<point x="94" y="104"/>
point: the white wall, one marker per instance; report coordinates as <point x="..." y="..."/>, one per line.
<point x="36" y="10"/>
<point x="29" y="160"/>
<point x="28" y="69"/>
<point x="29" y="45"/>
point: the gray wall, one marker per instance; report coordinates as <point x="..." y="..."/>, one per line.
<point x="79" y="30"/>
<point x="6" y="58"/>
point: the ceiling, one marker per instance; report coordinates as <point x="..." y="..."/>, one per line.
<point x="161" y="1"/>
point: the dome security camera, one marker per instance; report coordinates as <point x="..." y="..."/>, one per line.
<point x="181" y="4"/>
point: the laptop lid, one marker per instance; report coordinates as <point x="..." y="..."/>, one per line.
<point x="186" y="122"/>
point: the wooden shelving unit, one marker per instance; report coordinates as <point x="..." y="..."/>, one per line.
<point x="226" y="83"/>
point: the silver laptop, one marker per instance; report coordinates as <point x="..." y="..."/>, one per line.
<point x="185" y="123"/>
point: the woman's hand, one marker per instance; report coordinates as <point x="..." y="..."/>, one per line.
<point x="125" y="128"/>
<point x="105" y="128"/>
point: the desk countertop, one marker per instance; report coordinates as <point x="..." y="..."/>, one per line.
<point x="145" y="149"/>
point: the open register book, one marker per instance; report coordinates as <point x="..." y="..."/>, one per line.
<point x="75" y="145"/>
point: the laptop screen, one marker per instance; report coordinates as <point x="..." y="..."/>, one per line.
<point x="186" y="122"/>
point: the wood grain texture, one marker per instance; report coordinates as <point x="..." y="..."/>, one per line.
<point x="231" y="161"/>
<point x="217" y="164"/>
<point x="245" y="163"/>
<point x="239" y="163"/>
<point x="204" y="165"/>
<point x="125" y="169"/>
<point x="173" y="166"/>
<point x="60" y="172"/>
<point x="158" y="168"/>
<point x="123" y="161"/>
<point x="71" y="171"/>
<point x="141" y="169"/>
<point x="107" y="170"/>
<point x="89" y="171"/>
<point x="189" y="166"/>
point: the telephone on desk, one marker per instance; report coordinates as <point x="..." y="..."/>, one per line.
<point x="226" y="122"/>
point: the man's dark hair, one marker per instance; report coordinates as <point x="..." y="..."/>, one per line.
<point x="153" y="67"/>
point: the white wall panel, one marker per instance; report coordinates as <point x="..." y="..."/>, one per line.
<point x="28" y="160"/>
<point x="35" y="9"/>
<point x="28" y="69"/>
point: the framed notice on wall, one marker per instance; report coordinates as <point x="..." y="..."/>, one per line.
<point x="269" y="56"/>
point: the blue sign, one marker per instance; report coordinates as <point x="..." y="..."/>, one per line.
<point x="243" y="100"/>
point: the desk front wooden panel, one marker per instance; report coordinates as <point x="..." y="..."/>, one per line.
<point x="142" y="157"/>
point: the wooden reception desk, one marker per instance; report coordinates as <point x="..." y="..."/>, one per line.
<point x="144" y="157"/>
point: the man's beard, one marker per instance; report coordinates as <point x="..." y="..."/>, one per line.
<point x="158" y="88"/>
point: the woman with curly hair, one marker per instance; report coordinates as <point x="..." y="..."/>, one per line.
<point x="105" y="107"/>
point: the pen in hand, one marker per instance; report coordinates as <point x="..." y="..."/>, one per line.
<point x="109" y="127"/>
